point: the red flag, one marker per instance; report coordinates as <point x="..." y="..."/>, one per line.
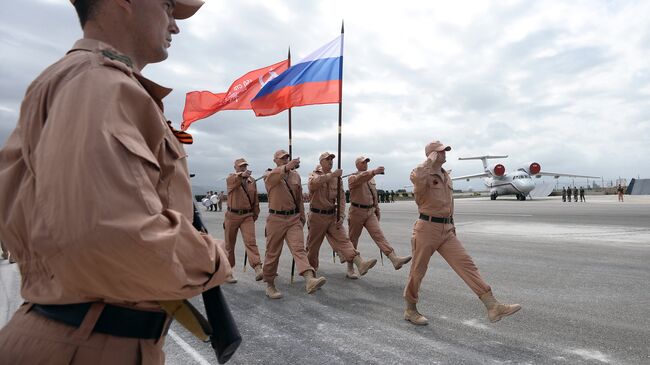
<point x="202" y="104"/>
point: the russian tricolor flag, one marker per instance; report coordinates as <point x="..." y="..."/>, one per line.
<point x="316" y="79"/>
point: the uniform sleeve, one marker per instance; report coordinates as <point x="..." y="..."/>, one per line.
<point x="104" y="227"/>
<point x="420" y="176"/>
<point x="316" y="181"/>
<point x="233" y="181"/>
<point x="255" y="200"/>
<point x="341" y="200"/>
<point x="359" y="179"/>
<point x="273" y="177"/>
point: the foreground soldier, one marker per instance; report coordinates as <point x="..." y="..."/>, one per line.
<point x="435" y="231"/>
<point x="243" y="210"/>
<point x="91" y="129"/>
<point x="323" y="186"/>
<point x="285" y="222"/>
<point x="365" y="213"/>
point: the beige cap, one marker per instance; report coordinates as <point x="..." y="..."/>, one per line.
<point x="280" y="154"/>
<point x="183" y="8"/>
<point x="361" y="159"/>
<point x="436" y="146"/>
<point x="325" y="155"/>
<point x="240" y="162"/>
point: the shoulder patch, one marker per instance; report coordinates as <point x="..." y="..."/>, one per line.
<point x="117" y="60"/>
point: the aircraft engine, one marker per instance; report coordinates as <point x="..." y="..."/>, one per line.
<point x="533" y="168"/>
<point x="498" y="169"/>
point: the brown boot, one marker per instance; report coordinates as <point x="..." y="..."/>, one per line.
<point x="272" y="292"/>
<point x="312" y="283"/>
<point x="496" y="310"/>
<point x="258" y="272"/>
<point x="230" y="279"/>
<point x="412" y="315"/>
<point x="398" y="261"/>
<point x="364" y="266"/>
<point x="351" y="274"/>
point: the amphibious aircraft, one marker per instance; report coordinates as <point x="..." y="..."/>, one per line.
<point x="518" y="182"/>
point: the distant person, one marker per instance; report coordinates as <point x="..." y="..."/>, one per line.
<point x="568" y="194"/>
<point x="214" y="199"/>
<point x="563" y="194"/>
<point x="392" y="196"/>
<point x="582" y="194"/>
<point x="620" y="191"/>
<point x="365" y="213"/>
<point x="435" y="231"/>
<point x="575" y="194"/>
<point x="347" y="196"/>
<point x="243" y="210"/>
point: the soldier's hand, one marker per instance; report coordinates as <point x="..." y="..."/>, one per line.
<point x="302" y="220"/>
<point x="433" y="156"/>
<point x="246" y="174"/>
<point x="379" y="170"/>
<point x="378" y="214"/>
<point x="339" y="223"/>
<point x="293" y="164"/>
<point x="337" y="173"/>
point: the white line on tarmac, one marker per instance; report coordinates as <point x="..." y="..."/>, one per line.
<point x="499" y="214"/>
<point x="189" y="349"/>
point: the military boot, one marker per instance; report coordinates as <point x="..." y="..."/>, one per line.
<point x="412" y="315"/>
<point x="398" y="261"/>
<point x="258" y="272"/>
<point x="364" y="266"/>
<point x="312" y="283"/>
<point x="496" y="310"/>
<point x="230" y="279"/>
<point x="272" y="292"/>
<point x="351" y="274"/>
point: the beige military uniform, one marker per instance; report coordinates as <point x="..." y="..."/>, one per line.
<point x="243" y="210"/>
<point x="96" y="206"/>
<point x="434" y="198"/>
<point x="285" y="220"/>
<point x="364" y="210"/>
<point x="321" y="221"/>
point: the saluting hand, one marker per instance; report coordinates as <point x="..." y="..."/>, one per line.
<point x="337" y="173"/>
<point x="293" y="164"/>
<point x="246" y="174"/>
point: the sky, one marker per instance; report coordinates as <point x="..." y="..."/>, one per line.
<point x="565" y="84"/>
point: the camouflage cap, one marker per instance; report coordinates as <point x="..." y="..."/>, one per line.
<point x="183" y="9"/>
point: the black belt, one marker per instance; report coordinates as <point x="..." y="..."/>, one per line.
<point x="240" y="211"/>
<point x="322" y="211"/>
<point x="283" y="212"/>
<point x="361" y="205"/>
<point x="448" y="220"/>
<point x="114" y="320"/>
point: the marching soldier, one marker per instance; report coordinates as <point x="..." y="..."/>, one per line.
<point x="568" y="194"/>
<point x="435" y="231"/>
<point x="243" y="210"/>
<point x="575" y="194"/>
<point x="365" y="213"/>
<point x="285" y="222"/>
<point x="582" y="194"/>
<point x="563" y="194"/>
<point x="92" y="128"/>
<point x="620" y="191"/>
<point x="322" y="220"/>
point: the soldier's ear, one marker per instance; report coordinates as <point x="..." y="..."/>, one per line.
<point x="126" y="5"/>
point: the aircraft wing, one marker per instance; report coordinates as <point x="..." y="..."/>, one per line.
<point x="557" y="174"/>
<point x="467" y="177"/>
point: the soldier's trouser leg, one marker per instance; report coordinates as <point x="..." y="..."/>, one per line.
<point x="377" y="235"/>
<point x="426" y="238"/>
<point x="276" y="229"/>
<point x="247" y="228"/>
<point x="30" y="338"/>
<point x="231" y="225"/>
<point x="340" y="242"/>
<point x="457" y="257"/>
<point x="356" y="220"/>
<point x="316" y="229"/>
<point x="296" y="242"/>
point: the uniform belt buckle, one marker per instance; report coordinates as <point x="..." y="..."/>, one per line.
<point x="240" y="212"/>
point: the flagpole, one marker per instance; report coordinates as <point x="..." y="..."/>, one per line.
<point x="293" y="261"/>
<point x="338" y="185"/>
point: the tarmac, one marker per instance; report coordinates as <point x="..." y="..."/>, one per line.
<point x="580" y="271"/>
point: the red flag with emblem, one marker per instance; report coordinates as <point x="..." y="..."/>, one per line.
<point x="202" y="104"/>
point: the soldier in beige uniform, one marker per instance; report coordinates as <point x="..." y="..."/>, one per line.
<point x="365" y="213"/>
<point x="435" y="231"/>
<point x="92" y="129"/>
<point x="285" y="222"/>
<point x="322" y="221"/>
<point x="243" y="210"/>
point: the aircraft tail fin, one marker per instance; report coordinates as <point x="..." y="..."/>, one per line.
<point x="483" y="159"/>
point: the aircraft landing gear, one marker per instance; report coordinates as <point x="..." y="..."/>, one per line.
<point x="521" y="197"/>
<point x="493" y="196"/>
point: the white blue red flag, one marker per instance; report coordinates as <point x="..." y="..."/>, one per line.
<point x="316" y="79"/>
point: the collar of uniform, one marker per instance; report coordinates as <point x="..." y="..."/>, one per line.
<point x="158" y="92"/>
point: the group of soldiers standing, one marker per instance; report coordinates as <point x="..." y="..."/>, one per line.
<point x="433" y="231"/>
<point x="566" y="194"/>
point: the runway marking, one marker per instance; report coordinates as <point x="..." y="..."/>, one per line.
<point x="474" y="323"/>
<point x="498" y="214"/>
<point x="189" y="349"/>
<point x="591" y="355"/>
